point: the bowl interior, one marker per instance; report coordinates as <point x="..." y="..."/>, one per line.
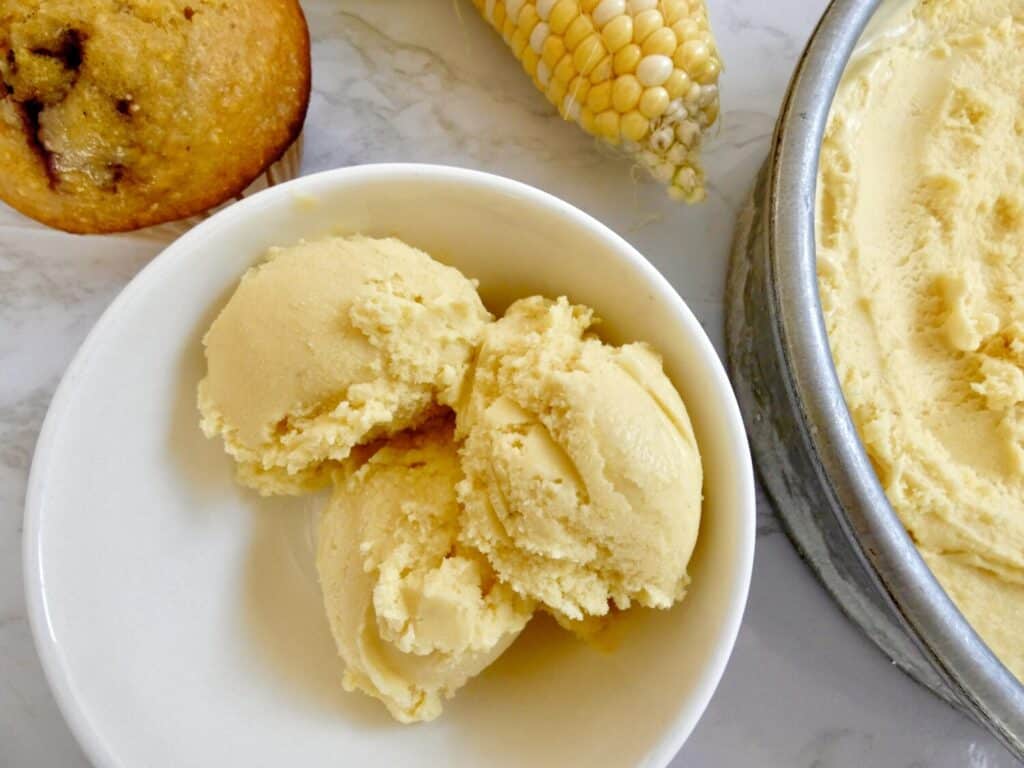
<point x="178" y="616"/>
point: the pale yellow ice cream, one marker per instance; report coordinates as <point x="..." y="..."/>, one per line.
<point x="921" y="270"/>
<point x="414" y="612"/>
<point x="583" y="478"/>
<point x="574" y="482"/>
<point x="330" y="344"/>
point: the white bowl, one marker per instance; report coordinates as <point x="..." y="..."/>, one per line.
<point x="178" y="617"/>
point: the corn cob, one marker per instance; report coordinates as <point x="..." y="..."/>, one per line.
<point x="642" y="74"/>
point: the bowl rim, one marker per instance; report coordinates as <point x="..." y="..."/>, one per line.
<point x="47" y="646"/>
<point x="958" y="654"/>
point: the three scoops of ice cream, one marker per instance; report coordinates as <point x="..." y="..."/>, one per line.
<point x="482" y="469"/>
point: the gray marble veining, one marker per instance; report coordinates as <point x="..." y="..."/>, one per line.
<point x="426" y="80"/>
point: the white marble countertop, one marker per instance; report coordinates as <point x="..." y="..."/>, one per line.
<point x="425" y="80"/>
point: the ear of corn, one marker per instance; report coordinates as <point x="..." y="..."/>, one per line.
<point x="642" y="74"/>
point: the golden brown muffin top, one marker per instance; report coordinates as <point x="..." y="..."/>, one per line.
<point x="117" y="114"/>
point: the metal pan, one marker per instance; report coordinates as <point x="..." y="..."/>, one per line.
<point x="810" y="458"/>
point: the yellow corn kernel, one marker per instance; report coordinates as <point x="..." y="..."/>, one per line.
<point x="626" y="59"/>
<point x="708" y="73"/>
<point x="499" y="16"/>
<point x="691" y="55"/>
<point x="678" y="59"/>
<point x="603" y="71"/>
<point x="587" y="122"/>
<point x="564" y="70"/>
<point x="711" y="112"/>
<point x="581" y="28"/>
<point x="618" y="33"/>
<point x="686" y="29"/>
<point x="634" y="126"/>
<point x="654" y="102"/>
<point x="586" y="6"/>
<point x="607" y="124"/>
<point x="626" y="92"/>
<point x="600" y="97"/>
<point x="562" y="15"/>
<point x="588" y="54"/>
<point x="673" y="10"/>
<point x="579" y="89"/>
<point x="645" y="23"/>
<point x="556" y="90"/>
<point x="661" y="42"/>
<point x="528" y="19"/>
<point x="518" y="43"/>
<point x="677" y="84"/>
<point x="529" y="61"/>
<point x="553" y="51"/>
<point x="507" y="30"/>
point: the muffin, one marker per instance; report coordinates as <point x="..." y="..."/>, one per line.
<point x="120" y="114"/>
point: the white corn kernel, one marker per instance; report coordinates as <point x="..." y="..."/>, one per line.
<point x="708" y="93"/>
<point x="512" y="9"/>
<point x="538" y="36"/>
<point x="686" y="178"/>
<point x="687" y="131"/>
<point x="571" y="107"/>
<point x="662" y="138"/>
<point x="648" y="159"/>
<point x="544" y="8"/>
<point x="654" y="70"/>
<point x="675" y="110"/>
<point x="543" y="73"/>
<point x="663" y="172"/>
<point x="607" y="10"/>
<point x="677" y="154"/>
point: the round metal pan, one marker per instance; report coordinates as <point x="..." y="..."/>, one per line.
<point x="809" y="455"/>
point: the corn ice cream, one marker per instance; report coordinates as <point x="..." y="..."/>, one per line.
<point x="481" y="469"/>
<point x="414" y="612"/>
<point x="330" y="344"/>
<point x="920" y="241"/>
<point x="583" y="478"/>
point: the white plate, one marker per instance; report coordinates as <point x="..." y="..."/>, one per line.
<point x="178" y="616"/>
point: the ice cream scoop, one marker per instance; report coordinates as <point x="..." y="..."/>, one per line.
<point x="414" y="612"/>
<point x="583" y="477"/>
<point x="331" y="344"/>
